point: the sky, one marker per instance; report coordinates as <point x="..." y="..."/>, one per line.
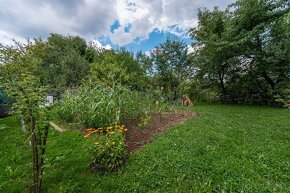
<point x="133" y="24"/>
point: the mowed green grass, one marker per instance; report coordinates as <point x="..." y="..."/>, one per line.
<point x="226" y="149"/>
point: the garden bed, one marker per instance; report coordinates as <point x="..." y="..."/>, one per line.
<point x="137" y="137"/>
<point x="113" y="142"/>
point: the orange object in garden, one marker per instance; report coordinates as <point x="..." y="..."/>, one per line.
<point x="186" y="101"/>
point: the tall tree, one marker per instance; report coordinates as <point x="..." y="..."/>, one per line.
<point x="258" y="28"/>
<point x="173" y="64"/>
<point x="66" y="62"/>
<point x="215" y="52"/>
<point x="244" y="49"/>
<point x="145" y="62"/>
<point x="119" y="66"/>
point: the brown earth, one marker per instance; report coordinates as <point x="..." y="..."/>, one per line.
<point x="137" y="137"/>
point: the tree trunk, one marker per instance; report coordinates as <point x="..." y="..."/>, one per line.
<point x="43" y="153"/>
<point x="269" y="80"/>
<point x="222" y="87"/>
<point x="35" y="156"/>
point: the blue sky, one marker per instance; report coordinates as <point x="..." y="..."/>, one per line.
<point x="155" y="38"/>
<point x="134" y="24"/>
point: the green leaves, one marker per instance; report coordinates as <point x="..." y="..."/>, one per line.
<point x="174" y="67"/>
<point x="97" y="104"/>
<point x="242" y="54"/>
<point x="20" y="81"/>
<point x="118" y="66"/>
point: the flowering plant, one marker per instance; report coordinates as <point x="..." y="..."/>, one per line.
<point x="110" y="149"/>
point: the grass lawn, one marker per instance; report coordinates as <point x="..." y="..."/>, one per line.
<point x="226" y="149"/>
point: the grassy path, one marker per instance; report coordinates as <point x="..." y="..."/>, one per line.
<point x="227" y="148"/>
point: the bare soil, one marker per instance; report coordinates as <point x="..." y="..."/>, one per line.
<point x="137" y="137"/>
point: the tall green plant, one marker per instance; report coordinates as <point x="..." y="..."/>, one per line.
<point x="17" y="76"/>
<point x="96" y="104"/>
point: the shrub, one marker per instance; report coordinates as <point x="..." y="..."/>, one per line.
<point x="283" y="98"/>
<point x="109" y="150"/>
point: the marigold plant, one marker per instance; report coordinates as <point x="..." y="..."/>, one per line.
<point x="109" y="142"/>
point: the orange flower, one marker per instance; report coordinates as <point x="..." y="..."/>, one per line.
<point x="125" y="129"/>
<point x="87" y="135"/>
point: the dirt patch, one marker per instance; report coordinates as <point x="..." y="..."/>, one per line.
<point x="137" y="137"/>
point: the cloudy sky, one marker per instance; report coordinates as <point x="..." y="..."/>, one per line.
<point x="135" y="24"/>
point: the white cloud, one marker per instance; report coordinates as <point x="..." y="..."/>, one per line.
<point x="107" y="47"/>
<point x="93" y="18"/>
<point x="98" y="45"/>
<point x="7" y="38"/>
<point x="147" y="53"/>
<point x="174" y="16"/>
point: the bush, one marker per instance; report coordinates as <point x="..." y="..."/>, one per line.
<point x="283" y="98"/>
<point x="110" y="152"/>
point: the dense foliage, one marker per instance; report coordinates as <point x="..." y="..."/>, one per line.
<point x="245" y="51"/>
<point x="18" y="78"/>
<point x="240" y="55"/>
<point x="173" y="68"/>
<point x="119" y="65"/>
<point x="99" y="105"/>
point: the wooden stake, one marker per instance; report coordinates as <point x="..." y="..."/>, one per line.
<point x="53" y="125"/>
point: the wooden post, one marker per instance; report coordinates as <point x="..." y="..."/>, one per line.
<point x="53" y="125"/>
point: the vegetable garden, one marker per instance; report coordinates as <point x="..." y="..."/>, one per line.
<point x="171" y="121"/>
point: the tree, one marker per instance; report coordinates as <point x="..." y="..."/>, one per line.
<point x="254" y="28"/>
<point x="145" y="62"/>
<point x="66" y="61"/>
<point x="18" y="76"/>
<point x="173" y="65"/>
<point x="111" y="66"/>
<point x="242" y="51"/>
<point x="215" y="51"/>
